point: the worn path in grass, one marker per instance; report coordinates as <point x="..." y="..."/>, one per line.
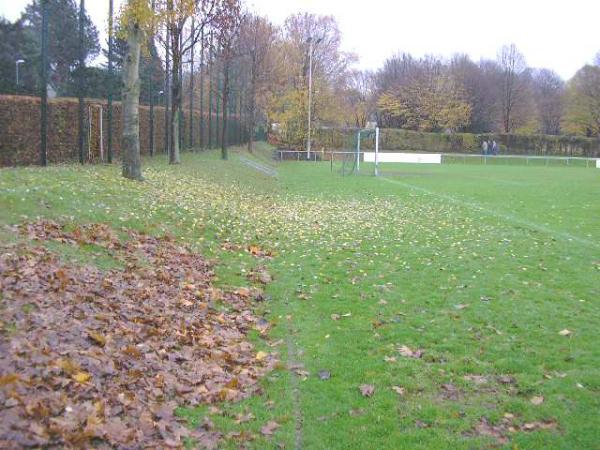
<point x="452" y="314"/>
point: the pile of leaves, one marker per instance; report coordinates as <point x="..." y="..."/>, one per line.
<point x="103" y="358"/>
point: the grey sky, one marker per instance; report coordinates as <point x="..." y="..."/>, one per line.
<point x="560" y="35"/>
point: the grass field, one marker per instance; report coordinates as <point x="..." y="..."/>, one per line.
<point x="444" y="288"/>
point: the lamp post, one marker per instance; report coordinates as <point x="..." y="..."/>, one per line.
<point x="18" y="62"/>
<point x="310" y="56"/>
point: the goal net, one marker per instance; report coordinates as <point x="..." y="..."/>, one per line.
<point x="349" y="158"/>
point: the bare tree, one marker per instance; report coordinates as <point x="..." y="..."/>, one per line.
<point x="360" y="97"/>
<point x="256" y="41"/>
<point x="548" y="91"/>
<point x="512" y="63"/>
<point x="481" y="84"/>
<point x="228" y="31"/>
<point x="176" y="14"/>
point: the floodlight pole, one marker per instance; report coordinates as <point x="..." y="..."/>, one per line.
<point x="310" y="57"/>
<point x="358" y="151"/>
<point x="110" y="81"/>
<point x="18" y="62"/>
<point x="80" y="80"/>
<point x="377" y="151"/>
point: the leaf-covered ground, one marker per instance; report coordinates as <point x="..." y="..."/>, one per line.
<point x="93" y="358"/>
<point x="452" y="306"/>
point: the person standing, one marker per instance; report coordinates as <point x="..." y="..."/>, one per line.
<point x="485" y="147"/>
<point x="494" y="148"/>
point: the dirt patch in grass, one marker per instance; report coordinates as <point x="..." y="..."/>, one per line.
<point x="508" y="425"/>
<point x="103" y="358"/>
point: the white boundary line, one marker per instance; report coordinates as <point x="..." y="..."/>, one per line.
<point x="506" y="217"/>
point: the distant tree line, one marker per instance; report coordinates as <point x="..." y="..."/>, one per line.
<point x="504" y="95"/>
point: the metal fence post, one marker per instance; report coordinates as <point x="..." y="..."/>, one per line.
<point x="44" y="87"/>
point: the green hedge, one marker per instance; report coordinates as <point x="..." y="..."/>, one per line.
<point x="408" y="141"/>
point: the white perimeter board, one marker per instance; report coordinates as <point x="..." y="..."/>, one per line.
<point x="418" y="158"/>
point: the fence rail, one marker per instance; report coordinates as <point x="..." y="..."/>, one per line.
<point x="447" y="158"/>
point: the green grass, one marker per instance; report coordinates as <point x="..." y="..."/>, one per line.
<point x="519" y="245"/>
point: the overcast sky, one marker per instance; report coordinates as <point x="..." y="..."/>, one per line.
<point x="560" y="35"/>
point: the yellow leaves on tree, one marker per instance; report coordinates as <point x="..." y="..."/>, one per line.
<point x="583" y="102"/>
<point x="436" y="105"/>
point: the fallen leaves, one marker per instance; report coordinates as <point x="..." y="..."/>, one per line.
<point x="366" y="390"/>
<point x="508" y="425"/>
<point x="410" y="353"/>
<point x="82" y="377"/>
<point x="537" y="400"/>
<point x="398" y="390"/>
<point x="450" y="392"/>
<point x="258" y="252"/>
<point x="477" y="379"/>
<point x="261" y="356"/>
<point x="324" y="375"/>
<point x="260" y="275"/>
<point x="97" y="338"/>
<point x="340" y="316"/>
<point x="104" y="357"/>
<point x="269" y="428"/>
<point x="539" y="425"/>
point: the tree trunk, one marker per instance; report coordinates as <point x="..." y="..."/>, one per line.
<point x="166" y="94"/>
<point x="252" y="113"/>
<point x="174" y="153"/>
<point x="191" y="145"/>
<point x="225" y="96"/>
<point x="201" y="133"/>
<point x="130" y="140"/>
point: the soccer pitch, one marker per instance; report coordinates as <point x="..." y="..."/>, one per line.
<point x="463" y="299"/>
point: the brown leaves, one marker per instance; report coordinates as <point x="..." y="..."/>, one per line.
<point x="258" y="252"/>
<point x="260" y="275"/>
<point x="450" y="392"/>
<point x="399" y="390"/>
<point x="97" y="338"/>
<point x="366" y="390"/>
<point x="507" y="425"/>
<point x="107" y="356"/>
<point x="269" y="428"/>
<point x="537" y="400"/>
<point x="409" y="353"/>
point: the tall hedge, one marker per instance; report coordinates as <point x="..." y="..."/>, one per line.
<point x="413" y="141"/>
<point x="20" y="129"/>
